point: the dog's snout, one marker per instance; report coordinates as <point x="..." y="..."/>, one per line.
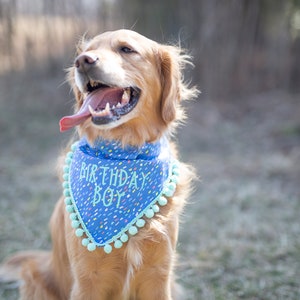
<point x="85" y="61"/>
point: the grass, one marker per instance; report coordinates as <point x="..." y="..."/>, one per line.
<point x="240" y="234"/>
<point x="240" y="238"/>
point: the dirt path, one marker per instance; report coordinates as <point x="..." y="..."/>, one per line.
<point x="240" y="238"/>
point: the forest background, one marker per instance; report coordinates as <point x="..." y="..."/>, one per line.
<point x="240" y="236"/>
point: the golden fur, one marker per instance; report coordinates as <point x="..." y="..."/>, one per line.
<point x="143" y="268"/>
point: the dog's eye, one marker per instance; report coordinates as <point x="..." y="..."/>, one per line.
<point x="126" y="49"/>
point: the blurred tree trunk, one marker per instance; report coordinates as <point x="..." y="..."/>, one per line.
<point x="239" y="46"/>
<point x="7" y="16"/>
<point x="156" y="19"/>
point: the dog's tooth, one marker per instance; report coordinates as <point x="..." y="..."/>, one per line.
<point x="107" y="106"/>
<point x="93" y="83"/>
<point x="126" y="93"/>
<point x="99" y="113"/>
<point x="125" y="97"/>
<point x="113" y="107"/>
<point x="119" y="105"/>
<point x="92" y="111"/>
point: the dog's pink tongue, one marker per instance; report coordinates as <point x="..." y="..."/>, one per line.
<point x="96" y="99"/>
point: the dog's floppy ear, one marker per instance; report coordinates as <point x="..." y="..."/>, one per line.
<point x="171" y="81"/>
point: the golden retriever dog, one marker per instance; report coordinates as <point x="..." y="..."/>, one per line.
<point x="128" y="92"/>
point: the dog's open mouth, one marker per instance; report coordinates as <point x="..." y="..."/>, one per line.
<point x="104" y="104"/>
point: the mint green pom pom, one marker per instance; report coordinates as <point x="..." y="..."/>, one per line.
<point x="75" y="224"/>
<point x="85" y="242"/>
<point x="124" y="238"/>
<point x="68" y="200"/>
<point x="107" y="249"/>
<point x="175" y="164"/>
<point x="74" y="146"/>
<point x="149" y="213"/>
<point x="69" y="208"/>
<point x="174" y="178"/>
<point x="140" y="223"/>
<point x="175" y="167"/>
<point x="68" y="160"/>
<point x="162" y="201"/>
<point x="133" y="230"/>
<point x="67" y="193"/>
<point x="66" y="176"/>
<point x="155" y="208"/>
<point x="70" y="154"/>
<point x="65" y="184"/>
<point x="172" y="186"/>
<point x="79" y="232"/>
<point x="73" y="216"/>
<point x="118" y="244"/>
<point x="175" y="171"/>
<point x="66" y="169"/>
<point x="167" y="192"/>
<point x="91" y="247"/>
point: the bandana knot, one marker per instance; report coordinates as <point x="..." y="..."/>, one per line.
<point x="111" y="191"/>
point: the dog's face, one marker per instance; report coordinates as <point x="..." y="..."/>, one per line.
<point x="127" y="87"/>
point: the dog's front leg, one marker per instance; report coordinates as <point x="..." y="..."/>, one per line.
<point x="89" y="288"/>
<point x="157" y="286"/>
<point x="96" y="275"/>
<point x="154" y="279"/>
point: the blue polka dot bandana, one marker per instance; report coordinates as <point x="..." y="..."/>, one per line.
<point x="111" y="191"/>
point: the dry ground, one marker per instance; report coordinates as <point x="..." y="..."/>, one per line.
<point x="240" y="236"/>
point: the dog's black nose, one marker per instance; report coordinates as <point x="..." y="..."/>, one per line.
<point x="85" y="61"/>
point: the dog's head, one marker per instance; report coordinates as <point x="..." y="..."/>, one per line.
<point x="127" y="88"/>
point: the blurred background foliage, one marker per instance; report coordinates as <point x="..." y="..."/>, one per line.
<point x="239" y="46"/>
<point x="241" y="235"/>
